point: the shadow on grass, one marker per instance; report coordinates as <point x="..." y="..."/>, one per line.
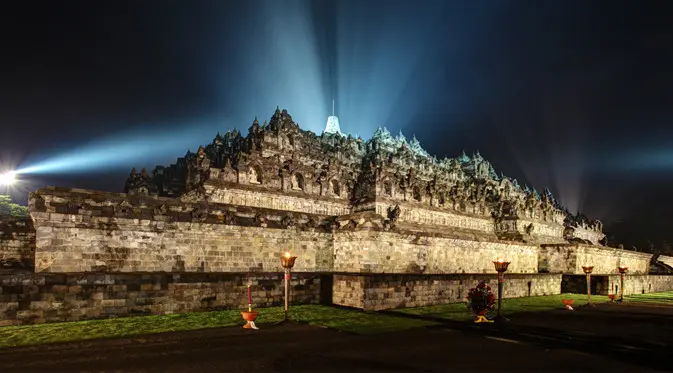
<point x="663" y="297"/>
<point x="347" y="320"/>
<point x="510" y="306"/>
<point x="338" y="318"/>
<point x="25" y="335"/>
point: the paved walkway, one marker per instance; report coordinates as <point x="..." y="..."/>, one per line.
<point x="630" y="333"/>
<point x="635" y="323"/>
<point x="530" y="344"/>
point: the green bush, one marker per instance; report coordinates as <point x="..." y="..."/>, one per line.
<point x="9" y="208"/>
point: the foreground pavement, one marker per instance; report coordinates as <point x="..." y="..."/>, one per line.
<point x="632" y="333"/>
<point x="586" y="340"/>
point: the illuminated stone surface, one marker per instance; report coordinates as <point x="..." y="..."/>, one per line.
<point x="332" y="125"/>
<point x="72" y="297"/>
<point x="17" y="242"/>
<point x="367" y="210"/>
<point x="381" y="292"/>
<point x="343" y="204"/>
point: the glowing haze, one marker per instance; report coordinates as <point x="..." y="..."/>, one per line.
<point x="381" y="66"/>
<point x="556" y="94"/>
<point x="7" y="178"/>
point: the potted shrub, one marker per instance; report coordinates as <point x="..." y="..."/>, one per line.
<point x="480" y="300"/>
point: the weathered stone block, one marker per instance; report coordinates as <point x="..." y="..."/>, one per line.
<point x="191" y="292"/>
<point x="59" y="289"/>
<point x="374" y="292"/>
<point x="107" y="303"/>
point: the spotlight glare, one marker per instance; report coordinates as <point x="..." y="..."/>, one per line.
<point x="8" y="178"/>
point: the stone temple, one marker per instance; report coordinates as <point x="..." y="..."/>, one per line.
<point x="375" y="224"/>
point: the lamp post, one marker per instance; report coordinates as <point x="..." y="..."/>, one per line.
<point x="501" y="268"/>
<point x="287" y="261"/>
<point x="622" y="272"/>
<point x="587" y="270"/>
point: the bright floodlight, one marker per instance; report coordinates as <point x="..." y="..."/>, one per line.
<point x="8" y="178"/>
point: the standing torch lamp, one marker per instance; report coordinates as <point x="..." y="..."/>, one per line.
<point x="587" y="270"/>
<point x="249" y="316"/>
<point x="501" y="268"/>
<point x="622" y="272"/>
<point x="287" y="261"/>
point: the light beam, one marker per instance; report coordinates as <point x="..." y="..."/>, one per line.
<point x="146" y="146"/>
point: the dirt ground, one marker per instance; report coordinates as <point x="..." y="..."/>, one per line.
<point x="605" y="338"/>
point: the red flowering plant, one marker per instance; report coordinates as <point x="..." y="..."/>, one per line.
<point x="480" y="299"/>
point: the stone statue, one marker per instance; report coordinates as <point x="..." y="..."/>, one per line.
<point x="394" y="213"/>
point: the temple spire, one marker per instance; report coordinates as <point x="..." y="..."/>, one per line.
<point x="333" y="123"/>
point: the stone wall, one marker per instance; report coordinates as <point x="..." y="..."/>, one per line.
<point x="17" y="242"/>
<point x="87" y="231"/>
<point x="593" y="235"/>
<point x="387" y="252"/>
<point x="292" y="200"/>
<point x="609" y="284"/>
<point x="640" y="284"/>
<point x="668" y="260"/>
<point x="426" y="215"/>
<point x="540" y="230"/>
<point x="39" y="298"/>
<point x="83" y="231"/>
<point x="557" y="258"/>
<point x="569" y="259"/>
<point x="381" y="292"/>
<point x="348" y="290"/>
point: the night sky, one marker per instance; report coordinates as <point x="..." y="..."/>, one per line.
<point x="576" y="96"/>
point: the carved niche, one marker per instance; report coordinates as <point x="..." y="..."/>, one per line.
<point x="123" y="208"/>
<point x="568" y="233"/>
<point x="388" y="188"/>
<point x="416" y="194"/>
<point x="288" y="221"/>
<point x="200" y="214"/>
<point x="74" y="205"/>
<point x="297" y="181"/>
<point x="254" y="174"/>
<point x="260" y="219"/>
<point x="394" y="213"/>
<point x="336" y="188"/>
<point x="162" y="210"/>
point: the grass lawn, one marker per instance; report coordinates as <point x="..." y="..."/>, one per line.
<point x="663" y="298"/>
<point x="353" y="321"/>
<point x="459" y="311"/>
<point x="337" y="318"/>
